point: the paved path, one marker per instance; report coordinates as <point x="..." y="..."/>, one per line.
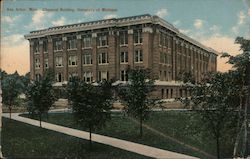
<point x="122" y="144"/>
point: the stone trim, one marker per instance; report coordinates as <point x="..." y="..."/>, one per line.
<point x="119" y="22"/>
<point x="94" y="35"/>
<point x="147" y="29"/>
<point x="64" y="38"/>
<point x="130" y="31"/>
<point x="78" y="36"/>
<point x="40" y="42"/>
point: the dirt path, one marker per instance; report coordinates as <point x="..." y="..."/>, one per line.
<point x="174" y="139"/>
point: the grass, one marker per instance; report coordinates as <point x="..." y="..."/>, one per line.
<point x="171" y="123"/>
<point x="21" y="140"/>
<point x="181" y="125"/>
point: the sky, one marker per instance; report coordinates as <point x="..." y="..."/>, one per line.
<point x="214" y="23"/>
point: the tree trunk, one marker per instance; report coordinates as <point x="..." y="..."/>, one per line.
<point x="141" y="125"/>
<point x="218" y="147"/>
<point x="40" y="120"/>
<point x="10" y="109"/>
<point x="90" y="137"/>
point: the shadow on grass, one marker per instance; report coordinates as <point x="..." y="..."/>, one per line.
<point x="21" y="140"/>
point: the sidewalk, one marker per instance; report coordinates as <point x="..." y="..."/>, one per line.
<point x="122" y="144"/>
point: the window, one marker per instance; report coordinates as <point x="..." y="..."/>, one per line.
<point x="59" y="61"/>
<point x="87" y="59"/>
<point x="169" y="76"/>
<point x="59" y="77"/>
<point x="88" y="76"/>
<point x="124" y="75"/>
<point x="36" y="47"/>
<point x="37" y="63"/>
<point x="103" y="58"/>
<point x="45" y="46"/>
<point x="162" y="93"/>
<point x="46" y="63"/>
<point x="162" y="58"/>
<point x="123" y="37"/>
<point x="72" y="60"/>
<point x="57" y="45"/>
<point x="180" y="92"/>
<point x="103" y="75"/>
<point x="171" y="93"/>
<point x="38" y="77"/>
<point x="165" y="58"/>
<point x="86" y="41"/>
<point x="169" y="42"/>
<point x="102" y="40"/>
<point x="166" y="40"/>
<point x="138" y="56"/>
<point x="138" y="36"/>
<point x="161" y="39"/>
<point x="167" y="93"/>
<point x="124" y="57"/>
<point x="71" y="44"/>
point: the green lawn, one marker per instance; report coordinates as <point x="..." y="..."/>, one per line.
<point x="21" y="140"/>
<point x="175" y="124"/>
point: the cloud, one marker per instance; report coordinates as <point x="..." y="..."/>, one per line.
<point x="59" y="22"/>
<point x="198" y="23"/>
<point x="39" y="19"/>
<point x="184" y="31"/>
<point x="9" y="19"/>
<point x="110" y="16"/>
<point x="215" y="29"/>
<point x="38" y="16"/>
<point x="241" y="17"/>
<point x="177" y="22"/>
<point x="235" y="29"/>
<point x="241" y="21"/>
<point x="14" y="39"/>
<point x="162" y="13"/>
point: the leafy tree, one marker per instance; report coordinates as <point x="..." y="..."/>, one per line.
<point x="11" y="87"/>
<point x="135" y="95"/>
<point x="189" y="80"/>
<point x="241" y="70"/>
<point x="186" y="77"/>
<point x="91" y="104"/>
<point x="215" y="99"/>
<point x="40" y="96"/>
<point x="25" y="80"/>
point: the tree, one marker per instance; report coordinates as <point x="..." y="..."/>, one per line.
<point x="91" y="104"/>
<point x="241" y="69"/>
<point x="11" y="87"/>
<point x="135" y="95"/>
<point x="215" y="100"/>
<point x="25" y="80"/>
<point x="186" y="77"/>
<point x="40" y="96"/>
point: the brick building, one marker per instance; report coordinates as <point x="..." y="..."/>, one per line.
<point x="104" y="49"/>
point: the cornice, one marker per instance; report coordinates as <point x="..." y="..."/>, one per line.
<point x="115" y="22"/>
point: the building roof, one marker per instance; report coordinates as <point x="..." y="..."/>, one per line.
<point x="115" y="22"/>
